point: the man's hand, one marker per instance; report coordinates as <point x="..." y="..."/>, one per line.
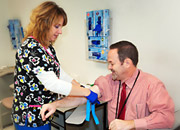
<point x="118" y="124"/>
<point x="47" y="110"/>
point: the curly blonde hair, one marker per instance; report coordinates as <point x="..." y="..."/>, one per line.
<point x="41" y="20"/>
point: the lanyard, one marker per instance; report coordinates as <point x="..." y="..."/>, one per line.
<point x="117" y="116"/>
<point x="47" y="52"/>
<point x="52" y="57"/>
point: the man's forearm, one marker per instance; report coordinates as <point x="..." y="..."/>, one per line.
<point x="70" y="101"/>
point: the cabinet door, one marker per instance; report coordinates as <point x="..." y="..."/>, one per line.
<point x="54" y="126"/>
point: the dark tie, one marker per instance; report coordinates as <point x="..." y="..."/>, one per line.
<point x="123" y="98"/>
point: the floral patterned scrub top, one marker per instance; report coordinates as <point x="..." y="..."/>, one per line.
<point x="31" y="59"/>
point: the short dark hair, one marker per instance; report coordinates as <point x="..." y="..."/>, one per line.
<point x="126" y="50"/>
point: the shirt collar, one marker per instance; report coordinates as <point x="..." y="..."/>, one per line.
<point x="130" y="81"/>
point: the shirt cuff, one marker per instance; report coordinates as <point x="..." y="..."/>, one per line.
<point x="140" y="123"/>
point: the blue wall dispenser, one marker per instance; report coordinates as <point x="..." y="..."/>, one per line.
<point x="97" y="23"/>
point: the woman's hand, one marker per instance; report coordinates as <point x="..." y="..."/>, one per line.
<point x="47" y="110"/>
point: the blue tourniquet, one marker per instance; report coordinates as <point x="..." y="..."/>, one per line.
<point x="91" y="107"/>
<point x="92" y="97"/>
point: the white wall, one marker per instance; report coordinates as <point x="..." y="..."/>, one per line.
<point x="152" y="25"/>
<point x="6" y="52"/>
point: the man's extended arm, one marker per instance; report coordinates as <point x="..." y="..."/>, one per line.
<point x="68" y="101"/>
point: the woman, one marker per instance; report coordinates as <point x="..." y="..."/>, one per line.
<point x="38" y="75"/>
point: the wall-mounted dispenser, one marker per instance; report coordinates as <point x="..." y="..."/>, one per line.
<point x="97" y="23"/>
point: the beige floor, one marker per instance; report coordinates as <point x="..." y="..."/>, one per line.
<point x="9" y="128"/>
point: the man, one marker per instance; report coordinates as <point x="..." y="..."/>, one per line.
<point x="136" y="100"/>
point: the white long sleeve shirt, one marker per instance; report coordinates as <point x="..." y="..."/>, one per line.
<point x="52" y="83"/>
